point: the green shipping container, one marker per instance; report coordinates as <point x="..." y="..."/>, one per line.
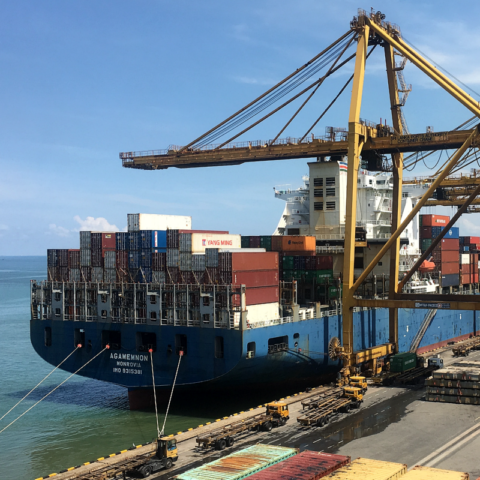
<point x="402" y="362"/>
<point x="425" y="243"/>
<point x="420" y="221"/>
<point x="245" y="241"/>
<point x="241" y="464"/>
<point x="266" y="242"/>
<point x="288" y="263"/>
<point x="335" y="292"/>
<point x="320" y="276"/>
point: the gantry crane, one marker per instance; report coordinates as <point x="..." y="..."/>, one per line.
<point x="363" y="140"/>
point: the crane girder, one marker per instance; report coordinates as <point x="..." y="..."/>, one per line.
<point x="288" y="150"/>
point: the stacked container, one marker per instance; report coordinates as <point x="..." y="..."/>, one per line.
<point x="430" y="228"/>
<point x="446" y="257"/>
<point x="363" y="468"/>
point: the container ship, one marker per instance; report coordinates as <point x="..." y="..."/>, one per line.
<point x="244" y="311"/>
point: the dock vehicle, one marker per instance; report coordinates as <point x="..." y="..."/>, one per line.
<point x="359" y="382"/>
<point x="351" y="397"/>
<point x="166" y="454"/>
<point x="464" y="349"/>
<point x="276" y="415"/>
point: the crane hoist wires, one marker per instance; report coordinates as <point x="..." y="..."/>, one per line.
<point x="276" y="94"/>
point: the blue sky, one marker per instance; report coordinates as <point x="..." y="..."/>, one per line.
<point x="83" y="81"/>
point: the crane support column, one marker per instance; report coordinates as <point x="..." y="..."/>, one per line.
<point x="397" y="161"/>
<point x="356" y="139"/>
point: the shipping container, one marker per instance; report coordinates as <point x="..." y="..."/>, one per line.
<point x="240" y="464"/>
<point x="452" y="280"/>
<point x="144" y="275"/>
<point x="110" y="275"/>
<point x="402" y="362"/>
<point x="122" y="241"/>
<point x="185" y="261"/>
<point x="465" y="279"/>
<point x="335" y="292"/>
<point x="134" y="259"/>
<point x="85" y="257"/>
<point x="85" y="240"/>
<point x="298" y="243"/>
<point x="303" y="253"/>
<point x="135" y="239"/>
<point x="266" y="242"/>
<point x="97" y="274"/>
<point x="74" y="275"/>
<point x="52" y="258"/>
<point x="448" y="268"/>
<point x="255" y="296"/>
<point x="254" y="241"/>
<point x="287" y="262"/>
<point x="366" y="469"/>
<point x="425" y="243"/>
<point x="466" y="268"/>
<point x="299" y="262"/>
<point x="151" y="221"/>
<point x="172" y="257"/>
<point x="257" y="278"/>
<point x="465" y="249"/>
<point x="242" y="250"/>
<point x="62" y="257"/>
<point x="277" y="241"/>
<point x="245" y="241"/>
<point x="121" y="259"/>
<point x="97" y="258"/>
<point x="448" y="244"/>
<point x="158" y="277"/>
<point x="74" y="258"/>
<point x="446" y="256"/>
<point x="453" y="233"/>
<point x="201" y="241"/>
<point x="146" y="257"/>
<point x="159" y="261"/>
<point x="238" y="261"/>
<point x="434" y="220"/>
<point x="85" y="274"/>
<point x="109" y="260"/>
<point x="153" y="238"/>
<point x="470" y="240"/>
<point x="198" y="262"/>
<point x="324" y="262"/>
<point x="103" y="241"/>
<point x="211" y="257"/>
<point x="428" y="473"/>
<point x="320" y="276"/>
<point x="464" y="258"/>
<point x="307" y="465"/>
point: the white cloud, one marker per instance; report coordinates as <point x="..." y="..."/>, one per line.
<point x="57" y="230"/>
<point x="99" y="224"/>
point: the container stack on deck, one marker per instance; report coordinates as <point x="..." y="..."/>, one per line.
<point x="457" y="383"/>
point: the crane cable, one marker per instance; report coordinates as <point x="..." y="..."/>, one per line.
<point x="58" y="386"/>
<point x="38" y="384"/>
<point x="180" y="353"/>
<point x="154" y="392"/>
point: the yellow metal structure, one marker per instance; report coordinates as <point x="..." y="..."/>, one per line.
<point x="358" y="382"/>
<point x="167" y="448"/>
<point x="354" y="393"/>
<point x="278" y="410"/>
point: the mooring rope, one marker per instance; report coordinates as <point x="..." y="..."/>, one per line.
<point x="171" y="393"/>
<point x="38" y="384"/>
<point x="154" y="393"/>
<point x="58" y="386"/>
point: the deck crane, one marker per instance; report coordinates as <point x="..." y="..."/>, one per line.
<point x="362" y="140"/>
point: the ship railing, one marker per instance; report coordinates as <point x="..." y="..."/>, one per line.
<point x="329" y="249"/>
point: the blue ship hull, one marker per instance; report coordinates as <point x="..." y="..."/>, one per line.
<point x="305" y="362"/>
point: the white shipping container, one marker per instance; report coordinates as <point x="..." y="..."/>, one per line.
<point x="201" y="241"/>
<point x="464" y="258"/>
<point x="152" y="221"/>
<point x="263" y="312"/>
<point x="243" y="250"/>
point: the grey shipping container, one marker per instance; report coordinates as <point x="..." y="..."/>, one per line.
<point x="451" y="280"/>
<point x="185" y="261"/>
<point x="109" y="259"/>
<point x="158" y="277"/>
<point x="198" y="262"/>
<point x="110" y="275"/>
<point x="52" y="258"/>
<point x="85" y="257"/>
<point x="97" y="274"/>
<point x="85" y="240"/>
<point x="185" y="242"/>
<point x="74" y="275"/>
<point x="172" y="257"/>
<point x="211" y="259"/>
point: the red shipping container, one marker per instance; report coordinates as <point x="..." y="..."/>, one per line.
<point x="448" y="244"/>
<point x="74" y="258"/>
<point x="475" y="278"/>
<point x="324" y="262"/>
<point x="103" y="240"/>
<point x="465" y="279"/>
<point x="446" y="256"/>
<point x="434" y="220"/>
<point x="121" y="259"/>
<point x="304" y="466"/>
<point x="449" y="268"/>
<point x="470" y="240"/>
<point x="239" y="261"/>
<point x="256" y="278"/>
<point x="465" y="268"/>
<point x="310" y="263"/>
<point x="425" y="232"/>
<point x="258" y="295"/>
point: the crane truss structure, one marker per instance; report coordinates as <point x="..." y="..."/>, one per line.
<point x="361" y="140"/>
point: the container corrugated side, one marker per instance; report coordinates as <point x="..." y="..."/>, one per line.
<point x="427" y="473"/>
<point x="240" y="464"/>
<point x="152" y="221"/>
<point x="304" y="466"/>
<point x="366" y="469"/>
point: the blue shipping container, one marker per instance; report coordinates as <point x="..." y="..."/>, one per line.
<point x="122" y="241"/>
<point x="146" y="257"/>
<point x="453" y="233"/>
<point x="134" y="259"/>
<point x="159" y="250"/>
<point x="154" y="238"/>
<point x="135" y="240"/>
<point x="466" y="248"/>
<point x="436" y="231"/>
<point x="144" y="275"/>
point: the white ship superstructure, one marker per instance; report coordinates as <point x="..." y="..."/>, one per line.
<point x="318" y="208"/>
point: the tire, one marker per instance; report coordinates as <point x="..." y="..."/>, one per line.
<point x="321" y="422"/>
<point x="346" y="408"/>
<point x="167" y="463"/>
<point x="267" y="426"/>
<point x="222" y="444"/>
<point x="146" y="471"/>
<point x="281" y="422"/>
<point x="230" y="441"/>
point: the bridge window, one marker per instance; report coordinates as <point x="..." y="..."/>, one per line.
<point x="318" y="182"/>
<point x="153" y="299"/>
<point x="112" y="338"/>
<point x="180" y="343"/>
<point x="104" y="314"/>
<point x="251" y="349"/>
<point x="153" y="316"/>
<point x="146" y="341"/>
<point x="293" y="231"/>
<point x="57" y="312"/>
<point x="278" y="344"/>
<point x="330" y="206"/>
<point x="48" y="336"/>
<point x="318" y="206"/>
<point x="330" y="192"/>
<point x="329" y="181"/>
<point x="318" y="192"/>
<point x="218" y="347"/>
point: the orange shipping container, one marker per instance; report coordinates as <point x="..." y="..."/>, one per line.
<point x="434" y="220"/>
<point x="298" y="243"/>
